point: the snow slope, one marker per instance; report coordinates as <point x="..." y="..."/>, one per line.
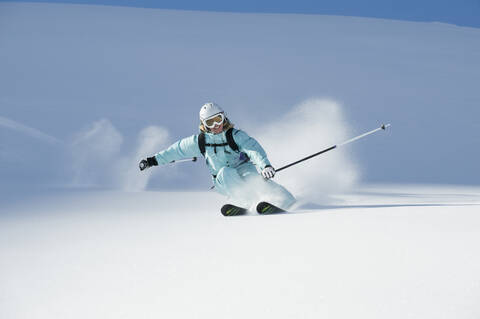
<point x="86" y="91"/>
<point x="382" y="252"/>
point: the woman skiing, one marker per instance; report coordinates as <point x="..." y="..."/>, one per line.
<point x="239" y="166"/>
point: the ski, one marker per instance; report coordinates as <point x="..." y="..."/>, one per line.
<point x="232" y="210"/>
<point x="265" y="208"/>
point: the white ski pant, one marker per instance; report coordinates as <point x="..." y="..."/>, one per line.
<point x="246" y="187"/>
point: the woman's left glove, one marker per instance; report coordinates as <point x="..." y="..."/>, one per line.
<point x="268" y="172"/>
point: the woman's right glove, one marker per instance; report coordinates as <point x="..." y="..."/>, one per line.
<point x="146" y="163"/>
<point x="268" y="172"/>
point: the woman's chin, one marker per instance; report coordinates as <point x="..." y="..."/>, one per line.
<point x="217" y="130"/>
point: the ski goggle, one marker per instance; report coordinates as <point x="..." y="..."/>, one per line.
<point x="216" y="119"/>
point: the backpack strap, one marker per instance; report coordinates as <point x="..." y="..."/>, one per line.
<point x="201" y="143"/>
<point x="230" y="140"/>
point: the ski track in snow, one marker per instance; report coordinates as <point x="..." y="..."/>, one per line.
<point x="30" y="131"/>
<point x="382" y="252"/>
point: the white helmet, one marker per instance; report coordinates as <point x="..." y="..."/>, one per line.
<point x="208" y="110"/>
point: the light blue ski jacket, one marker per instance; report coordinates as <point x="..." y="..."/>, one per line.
<point x="220" y="156"/>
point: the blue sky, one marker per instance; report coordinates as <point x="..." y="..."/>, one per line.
<point x="67" y="70"/>
<point x="459" y="12"/>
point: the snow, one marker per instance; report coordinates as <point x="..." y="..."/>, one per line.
<point x="383" y="251"/>
<point x="86" y="91"/>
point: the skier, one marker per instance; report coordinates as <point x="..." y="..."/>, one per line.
<point x="239" y="166"/>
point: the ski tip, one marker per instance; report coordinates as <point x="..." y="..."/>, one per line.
<point x="384" y="126"/>
<point x="232" y="210"/>
<point x="265" y="208"/>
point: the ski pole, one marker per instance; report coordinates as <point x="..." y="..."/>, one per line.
<point x="383" y="127"/>
<point x="193" y="159"/>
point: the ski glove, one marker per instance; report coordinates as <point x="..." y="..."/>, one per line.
<point x="268" y="172"/>
<point x="146" y="163"/>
